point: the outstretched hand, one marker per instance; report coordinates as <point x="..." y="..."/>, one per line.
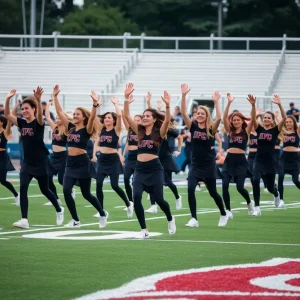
<point x="216" y="96"/>
<point x="166" y="98"/>
<point x="129" y="88"/>
<point x="11" y="94"/>
<point x="276" y="100"/>
<point x="185" y="89"/>
<point x="230" y="98"/>
<point x="251" y="99"/>
<point x="95" y="98"/>
<point x="38" y="93"/>
<point x="148" y="97"/>
<point x="130" y="99"/>
<point x="56" y="90"/>
<point x="114" y="100"/>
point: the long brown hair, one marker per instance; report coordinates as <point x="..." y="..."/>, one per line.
<point x="295" y="127"/>
<point x="232" y="130"/>
<point x="130" y="131"/>
<point x="96" y="126"/>
<point x="62" y="130"/>
<point x="155" y="133"/>
<point x="113" y="114"/>
<point x="4" y="121"/>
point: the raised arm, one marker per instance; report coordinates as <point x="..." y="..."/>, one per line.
<point x="125" y="149"/>
<point x="58" y="107"/>
<point x="148" y="100"/>
<point x="130" y="100"/>
<point x="47" y="115"/>
<point x="216" y="123"/>
<point x="115" y="102"/>
<point x="253" y="123"/>
<point x="225" y="115"/>
<point x="277" y="100"/>
<point x="7" y="131"/>
<point x="96" y="103"/>
<point x="165" y="125"/>
<point x="128" y="91"/>
<point x="39" y="110"/>
<point x="7" y="114"/>
<point x="184" y="91"/>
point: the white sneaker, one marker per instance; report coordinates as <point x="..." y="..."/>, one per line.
<point x="277" y="200"/>
<point x="17" y="199"/>
<point x="60" y="216"/>
<point x="257" y="211"/>
<point x="103" y="220"/>
<point x="179" y="203"/>
<point x="181" y="173"/>
<point x="144" y="234"/>
<point x="223" y="221"/>
<point x="251" y="208"/>
<point x="148" y="197"/>
<point x="266" y="190"/>
<point x="73" y="224"/>
<point x="73" y="194"/>
<point x="281" y="204"/>
<point x="23" y="223"/>
<point x="229" y="215"/>
<point x="172" y="226"/>
<point x="192" y="223"/>
<point x="251" y="193"/>
<point x="97" y="215"/>
<point x="152" y="209"/>
<point x="198" y="188"/>
<point x="50" y="203"/>
<point x="130" y="210"/>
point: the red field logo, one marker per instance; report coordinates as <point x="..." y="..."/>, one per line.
<point x="278" y="278"/>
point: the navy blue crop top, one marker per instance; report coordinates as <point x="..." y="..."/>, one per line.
<point x="147" y="145"/>
<point x="266" y="141"/>
<point x="58" y="140"/>
<point x="32" y="136"/>
<point x="253" y="141"/>
<point x="77" y="138"/>
<point x="239" y="140"/>
<point x="132" y="138"/>
<point x="108" y="139"/>
<point x="290" y="139"/>
<point x="202" y="154"/>
<point x="3" y="140"/>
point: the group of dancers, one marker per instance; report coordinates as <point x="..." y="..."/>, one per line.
<point x="149" y="159"/>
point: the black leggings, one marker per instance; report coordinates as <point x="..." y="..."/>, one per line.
<point x="6" y="183"/>
<point x="211" y="185"/>
<point x="295" y="179"/>
<point x="60" y="178"/>
<point x="85" y="187"/>
<point x="270" y="185"/>
<point x="157" y="191"/>
<point x="240" y="181"/>
<point x="188" y="156"/>
<point x="128" y="172"/>
<point x="114" y="182"/>
<point x="43" y="182"/>
<point x="169" y="184"/>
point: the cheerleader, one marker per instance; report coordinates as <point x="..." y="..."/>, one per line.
<point x="203" y="166"/>
<point x="35" y="153"/>
<point x="79" y="168"/>
<point x="109" y="163"/>
<point x="149" y="174"/>
<point x="235" y="165"/>
<point x="264" y="163"/>
<point x="5" y="163"/>
<point x="131" y="148"/>
<point x="290" y="155"/>
<point x="57" y="162"/>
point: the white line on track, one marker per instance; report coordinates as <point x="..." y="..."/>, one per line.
<point x="132" y="220"/>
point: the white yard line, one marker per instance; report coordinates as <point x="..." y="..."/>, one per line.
<point x="132" y="220"/>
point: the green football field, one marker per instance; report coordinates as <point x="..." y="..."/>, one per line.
<point x="41" y="263"/>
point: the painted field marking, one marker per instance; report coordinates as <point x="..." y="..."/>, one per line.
<point x="126" y="221"/>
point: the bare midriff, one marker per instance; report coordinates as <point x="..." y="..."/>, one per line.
<point x="2" y="149"/>
<point x="75" y="151"/>
<point x="144" y="157"/>
<point x="106" y="150"/>
<point x="235" y="151"/>
<point x="132" y="148"/>
<point x="252" y="150"/>
<point x="291" y="149"/>
<point x="56" y="148"/>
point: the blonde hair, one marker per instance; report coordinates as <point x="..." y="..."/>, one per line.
<point x="96" y="126"/>
<point x="61" y="129"/>
<point x="209" y="122"/>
